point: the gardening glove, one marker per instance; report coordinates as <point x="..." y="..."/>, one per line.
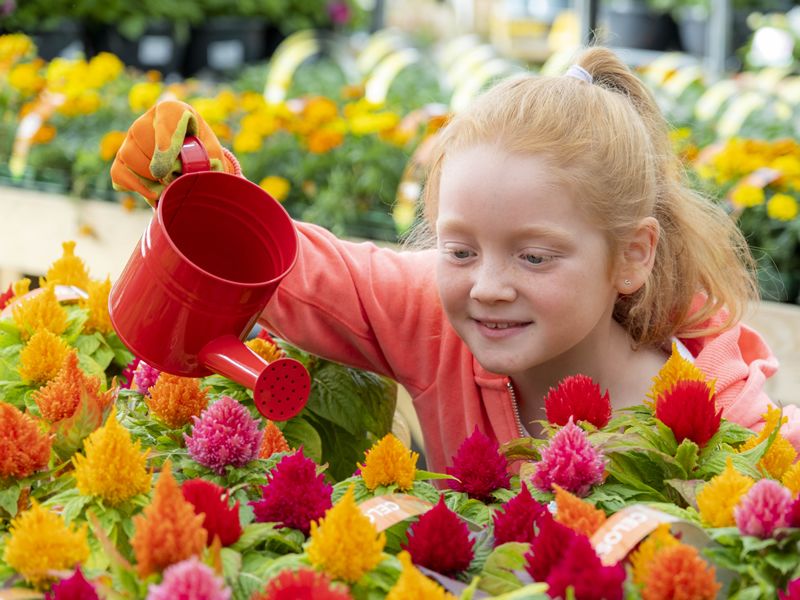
<point x="149" y="160"/>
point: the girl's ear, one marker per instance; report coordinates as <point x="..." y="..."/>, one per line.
<point x="637" y="257"/>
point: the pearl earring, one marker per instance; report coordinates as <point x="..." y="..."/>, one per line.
<point x="628" y="283"/>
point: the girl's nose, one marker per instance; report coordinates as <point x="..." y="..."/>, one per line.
<point x="492" y="284"/>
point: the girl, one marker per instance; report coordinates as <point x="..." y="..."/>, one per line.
<point x="566" y="241"/>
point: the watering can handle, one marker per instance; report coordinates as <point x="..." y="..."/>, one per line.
<point x="194" y="156"/>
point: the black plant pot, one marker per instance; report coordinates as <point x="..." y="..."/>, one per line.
<point x="64" y="39"/>
<point x="693" y="28"/>
<point x="161" y="46"/>
<point x="635" y="25"/>
<point x="225" y="44"/>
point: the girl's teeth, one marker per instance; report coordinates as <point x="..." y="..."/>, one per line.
<point x="498" y="325"/>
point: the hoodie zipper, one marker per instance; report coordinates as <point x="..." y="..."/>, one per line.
<point x="515" y="407"/>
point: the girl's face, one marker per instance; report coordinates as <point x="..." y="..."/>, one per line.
<point x="523" y="275"/>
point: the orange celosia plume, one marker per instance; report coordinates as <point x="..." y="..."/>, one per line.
<point x="24" y="449"/>
<point x="577" y="514"/>
<point x="679" y="572"/>
<point x="273" y="441"/>
<point x="62" y="396"/>
<point x="175" y="400"/>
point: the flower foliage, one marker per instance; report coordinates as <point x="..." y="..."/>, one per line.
<point x="440" y="541"/>
<point x="213" y="502"/>
<point x="479" y="467"/>
<point x="412" y="584"/>
<point x="389" y="462"/>
<point x="189" y="579"/>
<point x="175" y="400"/>
<point x="570" y="461"/>
<point x="516" y="520"/>
<point x="688" y="408"/>
<point x="302" y="584"/>
<point x="24" y="448"/>
<point x="578" y="397"/>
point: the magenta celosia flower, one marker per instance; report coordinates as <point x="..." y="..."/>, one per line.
<point x="479" y="467"/>
<point x="581" y="568"/>
<point x="548" y="547"/>
<point x="220" y="519"/>
<point x="144" y="377"/>
<point x="515" y="521"/>
<point x="127" y="373"/>
<point x="295" y="494"/>
<point x="224" y="434"/>
<point x="764" y="508"/>
<point x="578" y="397"/>
<point x="792" y="591"/>
<point x="76" y="587"/>
<point x="440" y="541"/>
<point x="570" y="461"/>
<point x="794" y="514"/>
<point x="189" y="579"/>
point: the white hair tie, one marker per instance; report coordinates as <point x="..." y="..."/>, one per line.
<point x="579" y="72"/>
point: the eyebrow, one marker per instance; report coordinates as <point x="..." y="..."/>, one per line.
<point x="529" y="231"/>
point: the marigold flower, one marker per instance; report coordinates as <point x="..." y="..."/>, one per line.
<point x="412" y="584"/>
<point x="791" y="479"/>
<point x="389" y="462"/>
<point x="40" y="540"/>
<point x="75" y="587"/>
<point x="689" y="409"/>
<point x="71" y="389"/>
<point x="110" y="144"/>
<point x="781" y="454"/>
<point x="168" y="531"/>
<point x="641" y="558"/>
<point x="273" y="441"/>
<point x="67" y="270"/>
<point x="224" y="434"/>
<point x="674" y="370"/>
<point x="189" y="578"/>
<point x="40" y="311"/>
<point x="479" y="467"/>
<point x="24" y="449"/>
<point x="763" y="509"/>
<point x="114" y="467"/>
<point x="782" y="207"/>
<point x="745" y="195"/>
<point x="679" y="572"/>
<point x="344" y="543"/>
<point x="324" y="139"/>
<point x="578" y="397"/>
<point x="295" y="495"/>
<point x="277" y="187"/>
<point x="213" y="502"/>
<point x="515" y="521"/>
<point x="304" y="583"/>
<point x="579" y="515"/>
<point x="97" y="305"/>
<point x="440" y="541"/>
<point x="41" y="358"/>
<point x="175" y="400"/>
<point x="145" y="377"/>
<point x="792" y="591"/>
<point x="717" y="498"/>
<point x="569" y="460"/>
<point x="581" y="569"/>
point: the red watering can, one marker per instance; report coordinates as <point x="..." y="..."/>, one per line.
<point x="209" y="261"/>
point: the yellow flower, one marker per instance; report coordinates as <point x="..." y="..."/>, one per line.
<point x="41" y="358"/>
<point x="319" y="110"/>
<point x="788" y="165"/>
<point x="781" y="454"/>
<point x="103" y="68"/>
<point x="97" y="304"/>
<point x="324" y="139"/>
<point x="412" y="584"/>
<point x="41" y="541"/>
<point x="782" y="207"/>
<point x="388" y="461"/>
<point x="110" y="144"/>
<point x="262" y="121"/>
<point x="44" y="135"/>
<point x="266" y="349"/>
<point x="21" y="287"/>
<point x="42" y="311"/>
<point x="80" y="102"/>
<point x="641" y="557"/>
<point x="211" y="109"/>
<point x="791" y="479"/>
<point x="227" y="101"/>
<point x="345" y="544"/>
<point x="26" y="78"/>
<point x="14" y="46"/>
<point x="277" y="187"/>
<point x="143" y="95"/>
<point x="367" y="123"/>
<point x="251" y="101"/>
<point x="745" y="195"/>
<point x="114" y="467"/>
<point x="67" y="270"/>
<point x="674" y="370"/>
<point x="719" y="496"/>
<point x="247" y="141"/>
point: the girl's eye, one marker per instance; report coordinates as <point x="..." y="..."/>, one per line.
<point x="460" y="254"/>
<point x="535" y="259"/>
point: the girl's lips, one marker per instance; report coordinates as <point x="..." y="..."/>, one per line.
<point x="500" y="329"/>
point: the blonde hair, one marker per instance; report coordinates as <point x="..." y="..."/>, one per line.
<point x="609" y="142"/>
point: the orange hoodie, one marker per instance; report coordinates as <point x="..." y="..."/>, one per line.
<point x="378" y="309"/>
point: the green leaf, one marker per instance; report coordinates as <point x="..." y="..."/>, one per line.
<point x="87" y="344"/>
<point x="9" y="496"/>
<point x="231" y="563"/>
<point x="298" y="432"/>
<point x="423" y="475"/>
<point x="122" y="356"/>
<point x="497" y="576"/>
<point x="785" y="563"/>
<point x="686" y="455"/>
<point x="252" y="535"/>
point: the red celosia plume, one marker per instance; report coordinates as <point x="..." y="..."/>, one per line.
<point x="578" y="397"/>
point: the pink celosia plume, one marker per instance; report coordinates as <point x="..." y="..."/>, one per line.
<point x="570" y="461"/>
<point x="764" y="508"/>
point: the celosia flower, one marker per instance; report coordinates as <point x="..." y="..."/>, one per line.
<point x="40" y="540"/>
<point x="548" y="548"/>
<point x="763" y="509"/>
<point x="21" y="287"/>
<point x="265" y="348"/>
<point x="581" y="569"/>
<point x="688" y="408"/>
<point x="175" y="400"/>
<point x="224" y="434"/>
<point x="6" y="297"/>
<point x="569" y="460"/>
<point x="295" y="494"/>
<point x="40" y="311"/>
<point x="127" y="373"/>
<point x="515" y="521"/>
<point x="41" y="358"/>
<point x="679" y="572"/>
<point x="168" y="531"/>
<point x="642" y="557"/>
<point x="440" y="541"/>
<point x="674" y="370"/>
<point x="189" y="579"/>
<point x="344" y="543"/>
<point x="145" y="377"/>
<point x="70" y="390"/>
<point x="67" y="270"/>
<point x="791" y="479"/>
<point x="302" y="584"/>
<point x="781" y="454"/>
<point x="75" y="587"/>
<point x="114" y="467"/>
<point x="717" y="498"/>
<point x="792" y="591"/>
<point x="213" y="502"/>
<point x="389" y="462"/>
<point x="24" y="448"/>
<point x="413" y="585"/>
<point x="273" y="441"/>
<point x="794" y="514"/>
<point x="579" y="515"/>
<point x="478" y="467"/>
<point x="97" y="306"/>
<point x="578" y="397"/>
